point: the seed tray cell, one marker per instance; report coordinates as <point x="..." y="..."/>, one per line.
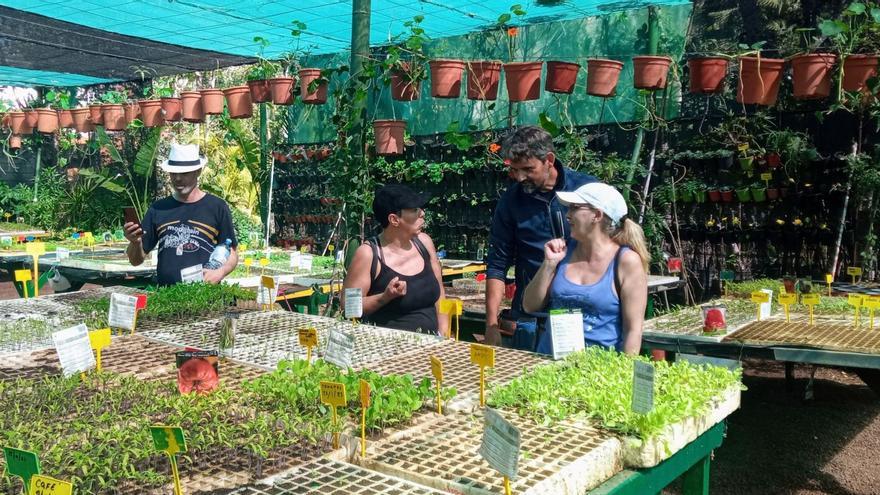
<point x="568" y="458"/>
<point x="689" y="321"/>
<point x="325" y="476"/>
<point x="824" y="335"/>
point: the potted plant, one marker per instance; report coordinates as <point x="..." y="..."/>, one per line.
<point x="811" y="71"/>
<point x="726" y="194"/>
<point x="706" y="73"/>
<point x="404" y="64"/>
<point x="151" y="106"/>
<point x="61" y="101"/>
<point x="650" y="71"/>
<point x="47" y="119"/>
<point x="848" y="35"/>
<point x="281" y="86"/>
<point x="561" y="76"/>
<point x="522" y="79"/>
<point x="81" y="119"/>
<point x="743" y="195"/>
<point x="259" y="74"/>
<point x="113" y="115"/>
<point x="191" y="106"/>
<point x="238" y="101"/>
<point x="759" y="192"/>
<point x="482" y="79"/>
<point x="446" y="77"/>
<point x="389" y="136"/>
<point x="313" y="85"/>
<point x="759" y="77"/>
<point x="602" y="76"/>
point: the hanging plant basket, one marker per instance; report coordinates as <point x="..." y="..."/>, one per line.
<point x="47" y="120"/>
<point x="446" y="78"/>
<point x="811" y="75"/>
<point x="743" y="195"/>
<point x="602" y="76"/>
<point x="650" y="71"/>
<point x="151" y="113"/>
<point x="238" y="100"/>
<point x="319" y="95"/>
<point x="15" y="142"/>
<point x="259" y="90"/>
<point x="114" y="117"/>
<point x="403" y="87"/>
<point x="857" y="69"/>
<point x="212" y="101"/>
<point x="707" y="74"/>
<point x="81" y="119"/>
<point x="772" y="193"/>
<point x="132" y="111"/>
<point x="482" y="79"/>
<point x="561" y="77"/>
<point x="96" y="114"/>
<point x="727" y="196"/>
<point x="65" y="119"/>
<point x="759" y="194"/>
<point x="523" y="80"/>
<point x="18" y="122"/>
<point x="759" y="80"/>
<point x="282" y="90"/>
<point x="714" y="195"/>
<point x="191" y="105"/>
<point x="389" y="136"/>
<point x="172" y="108"/>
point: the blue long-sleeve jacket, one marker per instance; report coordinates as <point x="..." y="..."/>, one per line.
<point x="522" y="224"/>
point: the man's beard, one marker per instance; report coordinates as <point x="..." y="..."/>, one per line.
<point x="528" y="187"/>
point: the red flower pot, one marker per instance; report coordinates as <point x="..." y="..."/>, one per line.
<point x="238" y="99"/>
<point x="114" y="117"/>
<point x="446" y="78"/>
<point x="47" y="120"/>
<point x="191" y="104"/>
<point x="707" y="74"/>
<point x="602" y="76"/>
<point x="857" y="69"/>
<point x="811" y="75"/>
<point x="482" y="79"/>
<point x="389" y="136"/>
<point x="759" y="80"/>
<point x="172" y="108"/>
<point x="151" y="113"/>
<point x="260" y="92"/>
<point x="727" y="196"/>
<point x="523" y="80"/>
<point x="650" y="71"/>
<point x="714" y="195"/>
<point x="282" y="90"/>
<point x="561" y="77"/>
<point x="212" y="101"/>
<point x="772" y="193"/>
<point x="318" y="96"/>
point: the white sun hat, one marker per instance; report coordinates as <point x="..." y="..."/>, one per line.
<point x="599" y="195"/>
<point x="183" y="158"/>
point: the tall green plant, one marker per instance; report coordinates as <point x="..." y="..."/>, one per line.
<point x="134" y="180"/>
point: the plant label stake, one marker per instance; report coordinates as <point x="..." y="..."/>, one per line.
<point x="333" y="395"/>
<point x="23" y="276"/>
<point x="767" y="177"/>
<point x="760" y="298"/>
<point x="295" y="257"/>
<point x="500" y="446"/>
<point x="726" y="277"/>
<point x="340" y="347"/>
<point x="306" y="262"/>
<point x="247" y="266"/>
<point x="566" y="332"/>
<point x="267" y="292"/>
<point x="872" y="303"/>
<point x="365" y="404"/>
<point x="643" y="387"/>
<point x="787" y="300"/>
<point x="856" y="301"/>
<point x="99" y="339"/>
<point x="169" y="439"/>
<point x="264" y="262"/>
<point x="89" y="239"/>
<point x="483" y="356"/>
<point x="44" y="485"/>
<point x="810" y="300"/>
<point x="36" y="249"/>
<point x="854" y="272"/>
<point x="437" y="371"/>
<point x="829" y="278"/>
<point x="21" y="463"/>
<point x="354" y="303"/>
<point x="192" y="274"/>
<point x="453" y="308"/>
<point x="308" y="338"/>
<point x="74" y="349"/>
<point x="123" y="311"/>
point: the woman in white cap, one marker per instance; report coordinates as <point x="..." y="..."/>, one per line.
<point x="604" y="274"/>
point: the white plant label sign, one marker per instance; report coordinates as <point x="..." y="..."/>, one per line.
<point x="267" y="295"/>
<point x="340" y="347"/>
<point x="74" y="349"/>
<point x="123" y="309"/>
<point x="192" y="274"/>
<point x="295" y="258"/>
<point x="354" y="303"/>
<point x="566" y="332"/>
<point x="501" y="444"/>
<point x="643" y="388"/>
<point x="62" y="254"/>
<point x="305" y="262"/>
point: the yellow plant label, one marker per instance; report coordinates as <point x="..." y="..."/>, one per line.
<point x="743" y="146"/>
<point x="766" y="176"/>
<point x="810" y="299"/>
<point x="452" y="307"/>
<point x="829" y="278"/>
<point x="787" y="298"/>
<point x="854" y="271"/>
<point x="23" y="275"/>
<point x="35" y="248"/>
<point x="760" y="297"/>
<point x="855" y="300"/>
<point x="99" y="339"/>
<point x="365" y="394"/>
<point x="333" y="394"/>
<point x="483" y="355"/>
<point x="872" y="302"/>
<point x="268" y="282"/>
<point x="248" y="262"/>
<point x="437" y="368"/>
<point x="44" y="485"/>
<point x="308" y="337"/>
<point x="331" y="247"/>
<point x="264" y="262"/>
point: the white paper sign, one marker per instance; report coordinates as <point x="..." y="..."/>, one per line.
<point x="339" y="256"/>
<point x="74" y="349"/>
<point x="267" y="295"/>
<point x="62" y="254"/>
<point x="767" y="307"/>
<point x="192" y="274"/>
<point x="354" y="303"/>
<point x="340" y="347"/>
<point x="154" y="257"/>
<point x="6" y="240"/>
<point x="305" y="262"/>
<point x="122" y="311"/>
<point x="566" y="332"/>
<point x="501" y="444"/>
<point x="295" y="258"/>
<point x="643" y="387"/>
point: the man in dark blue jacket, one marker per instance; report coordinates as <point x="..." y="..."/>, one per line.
<point x="527" y="216"/>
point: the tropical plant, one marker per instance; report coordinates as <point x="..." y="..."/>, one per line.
<point x="405" y="55"/>
<point x="135" y="178"/>
<point x="264" y="68"/>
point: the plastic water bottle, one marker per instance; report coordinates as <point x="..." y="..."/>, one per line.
<point x="219" y="256"/>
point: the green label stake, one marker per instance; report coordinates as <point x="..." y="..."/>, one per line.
<point x="21" y="463"/>
<point x="169" y="439"/>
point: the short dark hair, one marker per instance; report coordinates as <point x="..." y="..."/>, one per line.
<point x="393" y="198"/>
<point x="528" y="142"/>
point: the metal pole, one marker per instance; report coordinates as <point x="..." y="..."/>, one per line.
<point x="360" y="52"/>
<point x="653" y="43"/>
<point x="265" y="183"/>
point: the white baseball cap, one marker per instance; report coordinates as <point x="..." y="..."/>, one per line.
<point x="599" y="195"/>
<point x="183" y="158"/>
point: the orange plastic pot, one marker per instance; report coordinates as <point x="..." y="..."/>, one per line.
<point x="65" y="119"/>
<point x="389" y="136"/>
<point x="151" y="113"/>
<point x="15" y="142"/>
<point x="759" y="80"/>
<point x="238" y="99"/>
<point x="446" y="78"/>
<point x="857" y="69"/>
<point x="650" y="71"/>
<point x="18" y="123"/>
<point x="132" y="111"/>
<point x="402" y="88"/>
<point x="212" y="101"/>
<point x="561" y="77"/>
<point x="114" y="117"/>
<point x="31" y="117"/>
<point x="172" y="108"/>
<point x="482" y="79"/>
<point x="318" y="96"/>
<point x="811" y="75"/>
<point x="282" y="90"/>
<point x="96" y="114"/>
<point x="523" y="80"/>
<point x="707" y="74"/>
<point x="602" y="76"/>
<point x="259" y="90"/>
<point x="82" y="119"/>
<point x="191" y="105"/>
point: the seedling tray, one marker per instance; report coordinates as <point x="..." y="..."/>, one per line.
<point x="823" y="335"/>
<point x="689" y="321"/>
<point x="27" y="325"/>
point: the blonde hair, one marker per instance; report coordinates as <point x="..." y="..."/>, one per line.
<point x="629" y="234"/>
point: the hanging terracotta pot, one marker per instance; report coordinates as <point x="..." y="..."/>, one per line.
<point x="47" y="120"/>
<point x="212" y="101"/>
<point x="727" y="196"/>
<point x="132" y="111"/>
<point x="259" y="90"/>
<point x="65" y="119"/>
<point x="602" y="76"/>
<point x="403" y="88"/>
<point x="389" y="136"/>
<point x="772" y="193"/>
<point x="759" y="80"/>
<point x="96" y="114"/>
<point x="561" y="77"/>
<point x="282" y="90"/>
<point x="714" y="195"/>
<point x="191" y="106"/>
<point x="238" y="99"/>
<point x="857" y="69"/>
<point x="707" y="74"/>
<point x="151" y="113"/>
<point x="17" y="122"/>
<point x="31" y="117"/>
<point x="811" y="75"/>
<point x="446" y="78"/>
<point x="15" y="142"/>
<point x="650" y="71"/>
<point x="114" y="117"/>
<point x="82" y="119"/>
<point x="172" y="108"/>
<point x="319" y="95"/>
<point x="523" y="80"/>
<point x="482" y="79"/>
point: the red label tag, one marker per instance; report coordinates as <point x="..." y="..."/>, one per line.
<point x="141" y="302"/>
<point x="673" y="265"/>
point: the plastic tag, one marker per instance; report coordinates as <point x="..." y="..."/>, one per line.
<point x="74" y="349"/>
<point x="566" y="332"/>
<point x="44" y="485"/>
<point x="168" y="439"/>
<point x="810" y="299"/>
<point x="855" y="300"/>
<point x="22" y="463"/>
<point x="501" y="444"/>
<point x="308" y="337"/>
<point x="35" y="248"/>
<point x="854" y="271"/>
<point x="437" y="368"/>
<point x="643" y="387"/>
<point x="333" y="394"/>
<point x="354" y="303"/>
<point x="191" y="274"/>
<point x="760" y="297"/>
<point x="365" y="393"/>
<point x="340" y="347"/>
<point x="23" y="275"/>
<point x="787" y="298"/>
<point x="123" y="311"/>
<point x="483" y="355"/>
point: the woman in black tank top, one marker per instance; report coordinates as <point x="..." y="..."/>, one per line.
<point x="398" y="270"/>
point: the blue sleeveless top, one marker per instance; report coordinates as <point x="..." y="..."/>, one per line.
<point x="600" y="307"/>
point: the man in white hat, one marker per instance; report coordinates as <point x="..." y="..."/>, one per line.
<point x="186" y="226"/>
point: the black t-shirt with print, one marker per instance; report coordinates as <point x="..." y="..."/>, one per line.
<point x="185" y="233"/>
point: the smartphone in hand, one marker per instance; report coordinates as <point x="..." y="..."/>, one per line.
<point x="131" y="216"/>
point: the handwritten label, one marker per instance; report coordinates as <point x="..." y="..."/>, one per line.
<point x="566" y="332"/>
<point x="854" y="271"/>
<point x="340" y="347"/>
<point x="810" y="299"/>
<point x="787" y="298"/>
<point x="872" y="302"/>
<point x="123" y="311"/>
<point x="44" y="485"/>
<point x="74" y="349"/>
<point x="305" y="262"/>
<point x="643" y="387"/>
<point x="501" y="444"/>
<point x="766" y="176"/>
<point x="168" y="439"/>
<point x="308" y="337"/>
<point x="437" y="368"/>
<point x="855" y="300"/>
<point x="483" y="355"/>
<point x="333" y="394"/>
<point x="35" y="248"/>
<point x="760" y="297"/>
<point x="354" y="303"/>
<point x="192" y="274"/>
<point x="365" y="391"/>
<point x="21" y="463"/>
<point x="295" y="257"/>
<point x="268" y="290"/>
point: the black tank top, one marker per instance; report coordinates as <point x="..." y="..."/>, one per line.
<point x="415" y="310"/>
